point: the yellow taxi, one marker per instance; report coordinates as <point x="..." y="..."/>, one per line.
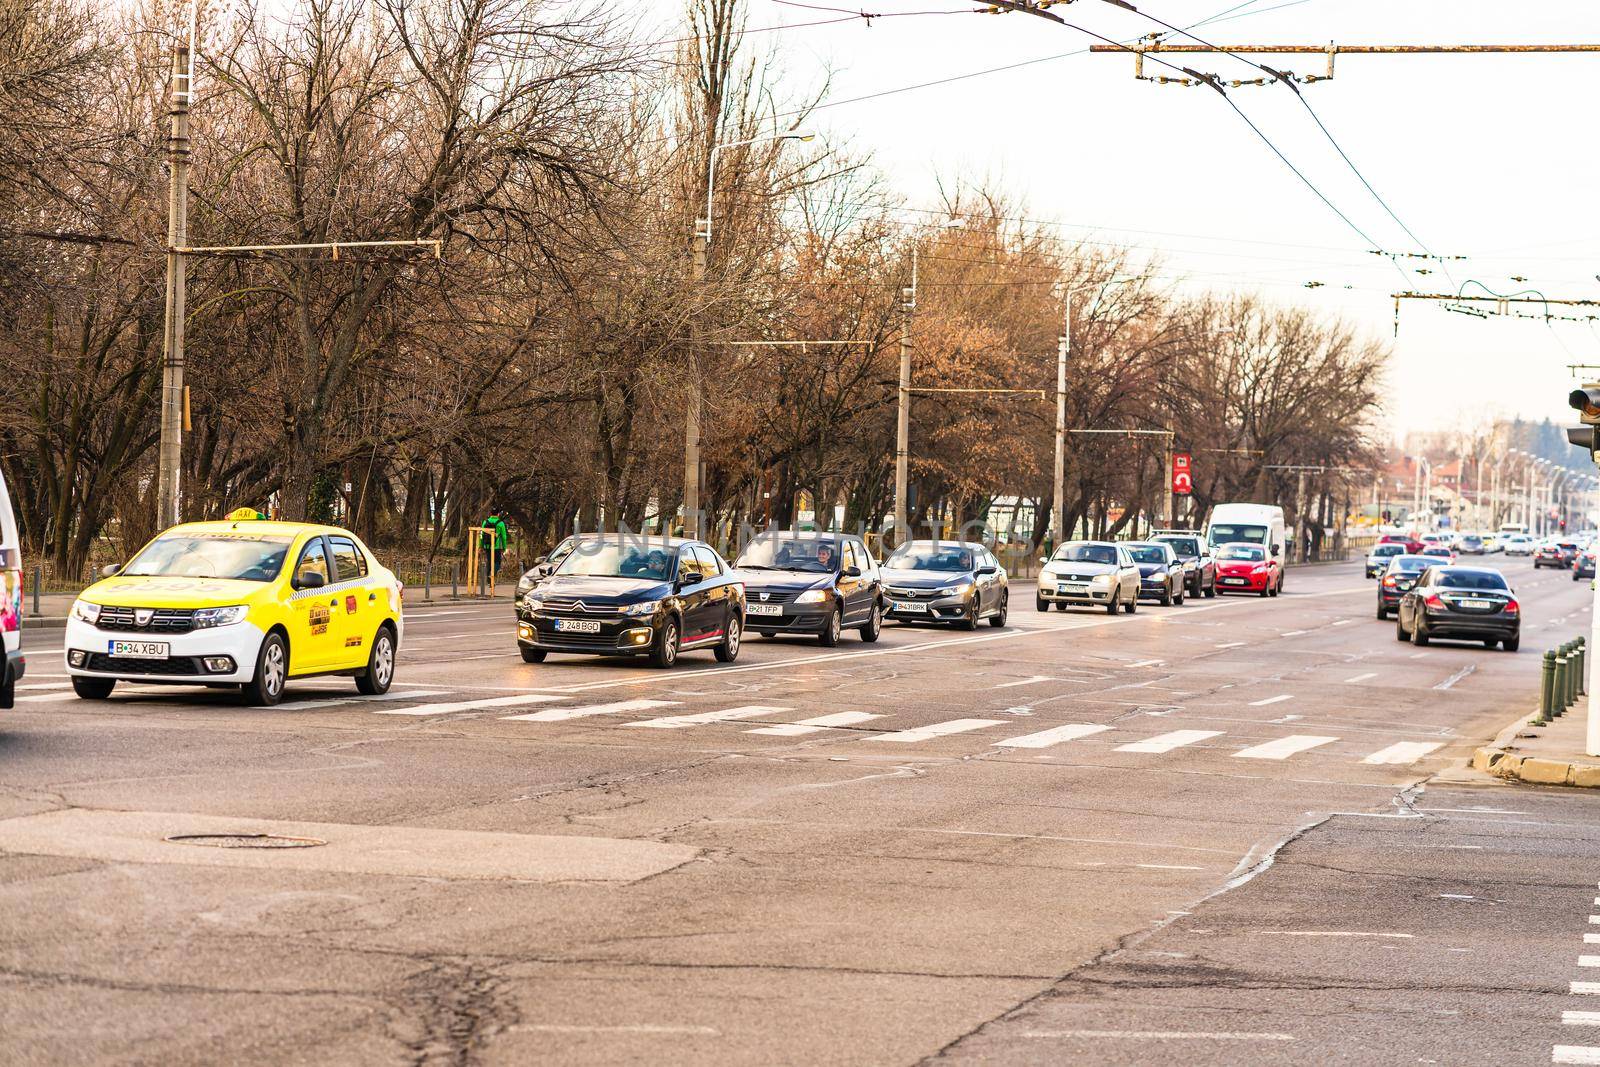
<point x="246" y="603"/>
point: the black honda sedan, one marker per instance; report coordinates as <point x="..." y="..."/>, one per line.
<point x="811" y="583"/>
<point x="1460" y="603"/>
<point x="956" y="582"/>
<point x="623" y="595"/>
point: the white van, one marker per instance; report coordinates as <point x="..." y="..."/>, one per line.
<point x="1255" y="524"/>
<point x="10" y="600"/>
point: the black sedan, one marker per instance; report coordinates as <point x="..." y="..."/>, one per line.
<point x="1398" y="578"/>
<point x="623" y="595"/>
<point x="1462" y="603"/>
<point x="811" y="583"/>
<point x="956" y="582"/>
<point x="1160" y="572"/>
<point x="1199" y="566"/>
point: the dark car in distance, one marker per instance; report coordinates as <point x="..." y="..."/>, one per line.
<point x="1555" y="553"/>
<point x="818" y="584"/>
<point x="1160" y="571"/>
<point x="956" y="582"/>
<point x="1583" y="564"/>
<point x="625" y="595"/>
<point x="1460" y="603"/>
<point x="1398" y="577"/>
<point x="1199" y="566"/>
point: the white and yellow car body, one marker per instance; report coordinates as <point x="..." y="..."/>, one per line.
<point x="198" y="604"/>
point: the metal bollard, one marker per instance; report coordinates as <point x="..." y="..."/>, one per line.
<point x="1547" y="688"/>
<point x="427" y="583"/>
<point x="455" y="581"/>
<point x="1580" y="676"/>
<point x="1572" y="673"/>
<point x="37" y="577"/>
<point x="1560" y="705"/>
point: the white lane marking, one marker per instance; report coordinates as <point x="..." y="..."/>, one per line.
<point x="355" y="698"/>
<point x="1284" y="747"/>
<point x="1591" y="939"/>
<point x="1167" y="867"/>
<point x="1272" y="700"/>
<point x="40" y="698"/>
<point x="1403" y="752"/>
<point x="1168" y="742"/>
<point x="938" y="729"/>
<point x="1027" y="681"/>
<point x="1340" y="622"/>
<point x="1580" y="1018"/>
<point x="551" y="1028"/>
<point x="1163" y="1035"/>
<point x="468" y="705"/>
<point x="1148" y="663"/>
<point x="1575" y="1054"/>
<point x="1046" y="738"/>
<point x="1294" y="633"/>
<point x="1589" y="961"/>
<point x="1416" y="655"/>
<point x="1456" y="677"/>
<point x="1595" y="919"/>
<point x="816" y="725"/>
<point x="585" y="711"/>
<point x="1232" y="644"/>
<point x="436" y="614"/>
<point x="677" y="722"/>
<point x="45" y="685"/>
<point x="1586" y="989"/>
<point x="1360" y="678"/>
<point x="1333" y="933"/>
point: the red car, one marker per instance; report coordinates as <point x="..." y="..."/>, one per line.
<point x="1246" y="568"/>
<point x="1413" y="546"/>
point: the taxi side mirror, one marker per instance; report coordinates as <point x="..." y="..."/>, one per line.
<point x="111" y="570"/>
<point x="311" y="580"/>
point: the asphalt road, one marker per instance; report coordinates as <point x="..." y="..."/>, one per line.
<point x="1219" y="832"/>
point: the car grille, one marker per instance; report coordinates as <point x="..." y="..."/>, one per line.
<point x="177" y="665"/>
<point x="164" y="620"/>
<point x="775" y="596"/>
<point x="581" y="642"/>
<point x="914" y="594"/>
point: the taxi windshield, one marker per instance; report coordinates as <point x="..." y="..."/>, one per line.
<point x="242" y="557"/>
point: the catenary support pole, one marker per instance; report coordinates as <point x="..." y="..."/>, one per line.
<point x="170" y="450"/>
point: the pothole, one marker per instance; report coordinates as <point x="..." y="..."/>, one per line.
<point x="245" y="841"/>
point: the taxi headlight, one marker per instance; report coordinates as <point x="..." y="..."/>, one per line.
<point x="955" y="589"/>
<point x="644" y="607"/>
<point x="84" y="611"/>
<point x="812" y="596"/>
<point x="205" y="618"/>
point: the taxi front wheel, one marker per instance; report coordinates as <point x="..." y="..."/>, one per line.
<point x="272" y="671"/>
<point x="380" y="665"/>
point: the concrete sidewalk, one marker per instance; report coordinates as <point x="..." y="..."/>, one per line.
<point x="1545" y="755"/>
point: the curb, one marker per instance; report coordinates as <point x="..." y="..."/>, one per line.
<point x="44" y="622"/>
<point x="1497" y="759"/>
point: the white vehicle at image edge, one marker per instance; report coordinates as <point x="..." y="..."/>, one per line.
<point x="12" y="663"/>
<point x="1093" y="573"/>
<point x="1255" y="524"/>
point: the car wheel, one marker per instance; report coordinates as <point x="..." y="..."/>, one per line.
<point x="265" y="688"/>
<point x="1400" y="629"/>
<point x="728" y="650"/>
<point x="1132" y="605"/>
<point x="998" y="619"/>
<point x="874" y="627"/>
<point x="1490" y="642"/>
<point x="1211" y="590"/>
<point x="93" y="688"/>
<point x="830" y="633"/>
<point x="1419" y="633"/>
<point x="533" y="655"/>
<point x="971" y="621"/>
<point x="1113" y="603"/>
<point x="380" y="665"/>
<point x="1041" y="603"/>
<point x="1383" y="612"/>
<point x="1510" y="644"/>
<point x="1166" y="597"/>
<point x="1178" y="600"/>
<point x="664" y="649"/>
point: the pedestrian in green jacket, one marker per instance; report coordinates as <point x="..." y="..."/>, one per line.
<point x="494" y="541"/>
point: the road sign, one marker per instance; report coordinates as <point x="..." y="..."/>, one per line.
<point x="1182" y="480"/>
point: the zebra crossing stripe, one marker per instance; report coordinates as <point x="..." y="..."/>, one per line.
<point x="1168" y="742"/>
<point x="938" y="729"/>
<point x="1575" y="1054"/>
<point x="357" y="698"/>
<point x="1403" y="752"/>
<point x="674" y="722"/>
<point x="1284" y="747"/>
<point x="1046" y="738"/>
<point x="588" y="710"/>
<point x="816" y="725"/>
<point x="470" y="705"/>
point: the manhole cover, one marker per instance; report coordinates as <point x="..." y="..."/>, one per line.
<point x="245" y="841"/>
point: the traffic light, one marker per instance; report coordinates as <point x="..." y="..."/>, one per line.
<point x="1586" y="402"/>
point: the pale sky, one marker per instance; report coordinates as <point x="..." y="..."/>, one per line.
<point x="1488" y="157"/>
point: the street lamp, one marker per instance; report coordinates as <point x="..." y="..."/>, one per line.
<point x="702" y="245"/>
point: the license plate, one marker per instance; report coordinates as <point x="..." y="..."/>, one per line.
<point x="1404" y="585"/>
<point x="138" y="649"/>
<point x="1074" y="588"/>
<point x="763" y="609"/>
<point x="1477" y="603"/>
<point x="1234" y="581"/>
<point x="911" y="606"/>
<point x="577" y="626"/>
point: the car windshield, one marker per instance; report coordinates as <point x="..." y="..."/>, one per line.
<point x="1147" y="554"/>
<point x="1410" y="565"/>
<point x="1459" y="579"/>
<point x="1224" y="533"/>
<point x="1081" y="553"/>
<point x="925" y="556"/>
<point x="790" y="552"/>
<point x="1388" y="550"/>
<point x="1436" y="550"/>
<point x="612" y="559"/>
<point x="244" y="557"/>
<point x="1245" y="552"/>
<point x="1183" y="546"/>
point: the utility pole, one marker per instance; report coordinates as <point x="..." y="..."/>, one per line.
<point x="1166" y="473"/>
<point x="902" y="427"/>
<point x="1063" y="345"/>
<point x="169" y="500"/>
<point x="691" y="418"/>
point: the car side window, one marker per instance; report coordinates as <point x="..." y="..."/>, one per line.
<point x="849" y="558"/>
<point x="313" y="560"/>
<point x="689" y="569"/>
<point x="710" y="565"/>
<point x="348" y="560"/>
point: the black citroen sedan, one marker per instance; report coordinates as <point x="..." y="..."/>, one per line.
<point x="811" y="583"/>
<point x="1460" y="603"/>
<point x="621" y="595"/>
<point x="956" y="582"/>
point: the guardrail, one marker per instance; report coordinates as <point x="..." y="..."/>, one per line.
<point x="1561" y="680"/>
